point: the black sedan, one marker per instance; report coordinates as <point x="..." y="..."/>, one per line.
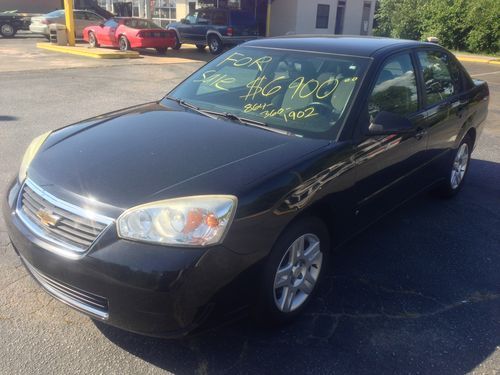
<point x="232" y="191"/>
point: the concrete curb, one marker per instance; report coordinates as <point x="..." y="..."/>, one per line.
<point x="479" y="60"/>
<point x="97" y="53"/>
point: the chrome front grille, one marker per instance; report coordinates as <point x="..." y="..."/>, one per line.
<point x="79" y="299"/>
<point x="59" y="222"/>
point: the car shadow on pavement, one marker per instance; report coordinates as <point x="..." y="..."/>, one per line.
<point x="418" y="292"/>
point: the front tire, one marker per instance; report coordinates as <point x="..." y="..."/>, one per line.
<point x="215" y="44"/>
<point x="123" y="43"/>
<point x="7" y="30"/>
<point x="457" y="169"/>
<point x="178" y="43"/>
<point x="293" y="270"/>
<point x="93" y="40"/>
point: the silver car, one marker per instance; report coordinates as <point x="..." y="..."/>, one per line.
<point x="83" y="18"/>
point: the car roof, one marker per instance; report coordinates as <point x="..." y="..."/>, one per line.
<point x="363" y="46"/>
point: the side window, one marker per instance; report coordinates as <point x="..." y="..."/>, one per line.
<point x="203" y="18"/>
<point x="79" y="15"/>
<point x="94" y="17"/>
<point x="191" y="18"/>
<point x="219" y="18"/>
<point x="111" y="23"/>
<point x="438" y="80"/>
<point x="395" y="90"/>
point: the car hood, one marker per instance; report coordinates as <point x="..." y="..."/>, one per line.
<point x="153" y="152"/>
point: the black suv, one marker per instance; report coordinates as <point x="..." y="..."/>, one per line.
<point x="11" y="22"/>
<point x="216" y="28"/>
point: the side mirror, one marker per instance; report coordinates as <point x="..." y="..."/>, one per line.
<point x="386" y="123"/>
<point x="101" y="25"/>
<point x="183" y="20"/>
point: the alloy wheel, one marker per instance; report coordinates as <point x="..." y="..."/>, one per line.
<point x="298" y="273"/>
<point x="459" y="166"/>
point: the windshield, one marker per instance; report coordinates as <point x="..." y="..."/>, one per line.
<point x="141" y="24"/>
<point x="301" y="92"/>
<point x="55" y="14"/>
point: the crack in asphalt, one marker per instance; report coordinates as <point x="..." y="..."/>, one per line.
<point x="473" y="298"/>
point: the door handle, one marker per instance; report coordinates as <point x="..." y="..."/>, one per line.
<point x="460" y="107"/>
<point x="420" y="133"/>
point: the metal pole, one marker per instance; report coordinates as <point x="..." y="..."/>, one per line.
<point x="70" y="21"/>
<point x="268" y="18"/>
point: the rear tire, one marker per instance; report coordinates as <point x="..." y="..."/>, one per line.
<point x="215" y="44"/>
<point x="93" y="40"/>
<point x="7" y="30"/>
<point x="201" y="47"/>
<point x="161" y="51"/>
<point x="123" y="43"/>
<point x="293" y="270"/>
<point x="456" y="172"/>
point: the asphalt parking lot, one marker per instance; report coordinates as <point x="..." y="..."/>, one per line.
<point x="417" y="293"/>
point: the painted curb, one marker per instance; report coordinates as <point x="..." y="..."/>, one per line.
<point x="87" y="52"/>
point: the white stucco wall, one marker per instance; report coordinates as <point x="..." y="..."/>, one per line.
<point x="299" y="16"/>
<point x="284" y="17"/>
<point x="307" y="10"/>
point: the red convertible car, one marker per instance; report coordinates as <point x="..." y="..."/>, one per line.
<point x="127" y="33"/>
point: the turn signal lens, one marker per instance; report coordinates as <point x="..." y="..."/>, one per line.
<point x="190" y="221"/>
<point x="30" y="154"/>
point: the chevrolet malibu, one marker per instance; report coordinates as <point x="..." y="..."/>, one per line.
<point x="231" y="192"/>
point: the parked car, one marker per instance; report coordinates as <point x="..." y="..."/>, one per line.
<point x="127" y="33"/>
<point x="233" y="189"/>
<point x="11" y="22"/>
<point x="216" y="28"/>
<point x="83" y="18"/>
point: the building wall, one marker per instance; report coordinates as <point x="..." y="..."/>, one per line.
<point x="299" y="16"/>
<point x="306" y="22"/>
<point x="353" y="13"/>
<point x="284" y="17"/>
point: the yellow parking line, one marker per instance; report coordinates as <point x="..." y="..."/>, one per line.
<point x="97" y="53"/>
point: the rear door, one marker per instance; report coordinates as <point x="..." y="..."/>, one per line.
<point x="389" y="166"/>
<point x="445" y="102"/>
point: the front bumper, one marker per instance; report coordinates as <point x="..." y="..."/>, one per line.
<point x="148" y="289"/>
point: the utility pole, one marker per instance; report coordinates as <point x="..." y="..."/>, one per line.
<point x="70" y="21"/>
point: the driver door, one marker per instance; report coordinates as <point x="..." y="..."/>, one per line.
<point x="389" y="167"/>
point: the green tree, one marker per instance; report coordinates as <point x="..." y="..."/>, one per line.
<point x="446" y="19"/>
<point x="399" y="19"/>
<point x="484" y="18"/>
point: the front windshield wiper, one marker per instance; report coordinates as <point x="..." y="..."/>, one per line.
<point x="230" y="116"/>
<point x="192" y="107"/>
<point x="247" y="121"/>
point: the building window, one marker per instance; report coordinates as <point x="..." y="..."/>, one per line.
<point x="164" y="11"/>
<point x="339" y="20"/>
<point x="322" y="16"/>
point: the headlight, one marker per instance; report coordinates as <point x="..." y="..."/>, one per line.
<point x="30" y="153"/>
<point x="189" y="221"/>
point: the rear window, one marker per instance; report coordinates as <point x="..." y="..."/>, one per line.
<point x="55" y="14"/>
<point x="242" y="18"/>
<point x="141" y="24"/>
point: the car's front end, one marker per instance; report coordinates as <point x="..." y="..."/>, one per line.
<point x="140" y="287"/>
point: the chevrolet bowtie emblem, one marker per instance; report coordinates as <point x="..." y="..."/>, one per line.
<point x="47" y="218"/>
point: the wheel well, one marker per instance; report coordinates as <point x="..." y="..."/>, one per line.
<point x="472" y="133"/>
<point x="323" y="211"/>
